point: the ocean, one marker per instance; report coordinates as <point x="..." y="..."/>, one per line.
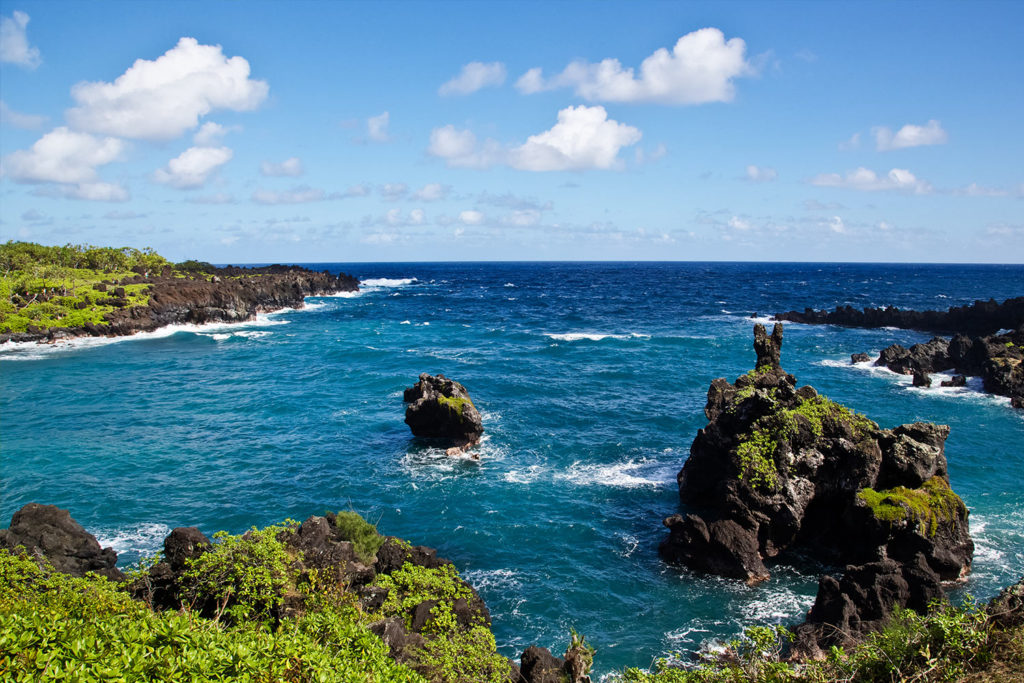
<point x="591" y="379"/>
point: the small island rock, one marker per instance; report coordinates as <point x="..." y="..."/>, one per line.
<point x="440" y="408"/>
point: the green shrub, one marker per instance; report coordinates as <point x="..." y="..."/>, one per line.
<point x="363" y="535"/>
<point x="245" y="576"/>
<point x="452" y="654"/>
<point x="55" y="627"/>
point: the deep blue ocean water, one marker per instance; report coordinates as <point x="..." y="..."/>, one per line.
<point x="591" y="379"/>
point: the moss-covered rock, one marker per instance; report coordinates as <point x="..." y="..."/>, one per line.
<point x="440" y="408"/>
<point x="780" y="467"/>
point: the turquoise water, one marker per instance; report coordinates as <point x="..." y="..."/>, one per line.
<point x="591" y="379"/>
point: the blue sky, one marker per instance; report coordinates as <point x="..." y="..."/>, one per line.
<point x="343" y="131"/>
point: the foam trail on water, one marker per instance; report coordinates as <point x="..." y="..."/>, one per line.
<point x="41" y="350"/>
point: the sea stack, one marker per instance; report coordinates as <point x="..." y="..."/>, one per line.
<point x="780" y="467"/>
<point x="440" y="408"/>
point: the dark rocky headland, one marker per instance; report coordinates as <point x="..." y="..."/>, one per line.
<point x="230" y="294"/>
<point x="987" y="342"/>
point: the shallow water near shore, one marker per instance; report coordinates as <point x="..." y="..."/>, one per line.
<point x="591" y="380"/>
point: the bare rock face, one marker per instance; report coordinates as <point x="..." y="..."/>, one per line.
<point x="862" y="601"/>
<point x="440" y="408"/>
<point x="49" y="531"/>
<point x="780" y="467"/>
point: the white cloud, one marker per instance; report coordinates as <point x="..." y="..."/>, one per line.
<point x="297" y="195"/>
<point x="210" y="134"/>
<point x="377" y="127"/>
<point x="583" y="138"/>
<point x="471" y="217"/>
<point x="976" y="190"/>
<point x="898" y="179"/>
<point x="193" y="167"/>
<point x="909" y="136"/>
<point x="644" y="157"/>
<point x="473" y="77"/>
<point x="459" y="148"/>
<point x="741" y="224"/>
<point x="163" y="98"/>
<point x="836" y="225"/>
<point x="62" y="156"/>
<point x="96" y="192"/>
<point x="396" y="218"/>
<point x="759" y="174"/>
<point x="852" y="143"/>
<point x="700" y="68"/>
<point x="217" y="198"/>
<point x="289" y="167"/>
<point x="431" y="192"/>
<point x="392" y="192"/>
<point x="9" y="117"/>
<point x="361" y="190"/>
<point x="14" y="47"/>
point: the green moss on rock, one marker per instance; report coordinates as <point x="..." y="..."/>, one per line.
<point x="928" y="506"/>
<point x="456" y="405"/>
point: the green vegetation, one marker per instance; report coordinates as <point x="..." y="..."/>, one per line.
<point x="63" y="286"/>
<point x="947" y="644"/>
<point x="757" y="463"/>
<point x="361" y="534"/>
<point x="758" y="448"/>
<point x="233" y="625"/>
<point x="55" y="627"/>
<point x="244" y="576"/>
<point x="451" y="654"/>
<point x="927" y="506"/>
<point x="454" y="404"/>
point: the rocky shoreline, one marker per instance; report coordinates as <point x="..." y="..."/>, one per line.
<point x="230" y="294"/>
<point x="978" y="319"/>
<point x="988" y="342"/>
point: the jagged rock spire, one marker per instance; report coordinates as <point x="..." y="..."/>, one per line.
<point x="768" y="349"/>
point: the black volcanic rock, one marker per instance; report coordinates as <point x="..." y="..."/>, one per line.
<point x="49" y="531"/>
<point x="440" y="408"/>
<point x="780" y="468"/>
<point x="977" y="319"/>
<point x="862" y="601"/>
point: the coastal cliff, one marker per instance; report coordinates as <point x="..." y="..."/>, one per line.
<point x="53" y="293"/>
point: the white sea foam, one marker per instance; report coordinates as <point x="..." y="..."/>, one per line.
<point x="630" y="474"/>
<point x="405" y="322"/>
<point x="594" y="336"/>
<point x="527" y="476"/>
<point x="40" y="350"/>
<point x="487" y="579"/>
<point x="142" y="538"/>
<point x="509" y="284"/>
<point x="383" y="282"/>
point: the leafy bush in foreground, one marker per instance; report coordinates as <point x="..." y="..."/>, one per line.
<point x="55" y="627"/>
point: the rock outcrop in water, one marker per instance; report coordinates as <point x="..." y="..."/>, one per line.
<point x="988" y="342"/>
<point x="978" y="319"/>
<point x="229" y="294"/>
<point x="49" y="531"/>
<point x="997" y="359"/>
<point x="782" y="468"/>
<point x="440" y="408"/>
